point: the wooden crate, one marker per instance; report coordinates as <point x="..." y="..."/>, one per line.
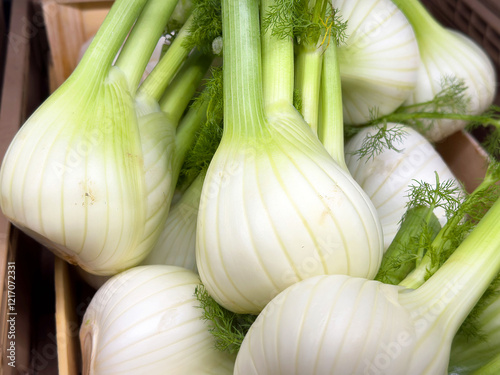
<point x="69" y="24"/>
<point x="2" y="41"/>
<point x="50" y="288"/>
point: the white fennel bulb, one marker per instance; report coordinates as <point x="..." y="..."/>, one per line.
<point x="447" y="53"/>
<point x="337" y="324"/>
<point x="165" y="139"/>
<point x="388" y="176"/>
<point x="90" y="173"/>
<point x="379" y="60"/>
<point x="77" y="160"/>
<point x="275" y="207"/>
<point x="147" y="320"/>
<point x="319" y="321"/>
<point x="177" y="242"/>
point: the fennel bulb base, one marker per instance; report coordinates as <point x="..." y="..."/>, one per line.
<point x="276" y="210"/>
<point x="147" y="321"/>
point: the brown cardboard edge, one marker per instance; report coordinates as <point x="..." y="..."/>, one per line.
<point x="469" y="164"/>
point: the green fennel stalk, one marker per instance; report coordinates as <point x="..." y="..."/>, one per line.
<point x="491" y="368"/>
<point x="418" y="227"/>
<point x="155" y="84"/>
<point x="331" y="124"/>
<point x="109" y="38"/>
<point x="448" y="238"/>
<point x="140" y="44"/>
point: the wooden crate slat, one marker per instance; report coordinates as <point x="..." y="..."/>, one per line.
<point x="93" y="14"/>
<point x="67" y="341"/>
<point x="12" y="113"/>
<point x="69" y="25"/>
<point x="65" y="33"/>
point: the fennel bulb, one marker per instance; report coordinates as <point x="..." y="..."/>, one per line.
<point x="146" y="320"/>
<point x="77" y="160"/>
<point x="448" y="53"/>
<point x="275" y="208"/>
<point x="379" y="60"/>
<point x="337" y="324"/>
<point x="387" y="176"/>
<point x="177" y="242"/>
<point x="90" y="173"/>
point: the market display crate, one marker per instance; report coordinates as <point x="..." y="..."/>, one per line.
<point x="43" y="47"/>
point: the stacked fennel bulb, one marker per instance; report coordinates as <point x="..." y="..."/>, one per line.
<point x="270" y="163"/>
<point x="399" y="330"/>
<point x="388" y="176"/>
<point x="100" y="157"/>
<point x="379" y="61"/>
<point x="146" y="321"/>
<point x="448" y="53"/>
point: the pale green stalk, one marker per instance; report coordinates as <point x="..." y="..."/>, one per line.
<point x="331" y="131"/>
<point x="244" y="114"/>
<point x="443" y="302"/>
<point x="186" y="133"/>
<point x="404" y="117"/>
<point x="277" y="63"/>
<point x="109" y="38"/>
<point x="309" y="65"/>
<point x="419" y="17"/>
<point x="174" y="102"/>
<point x="425" y="268"/>
<point x="477" y="343"/>
<point x="403" y="245"/>
<point x="491" y="368"/>
<point x="184" y="85"/>
<point x="157" y="81"/>
<point x="142" y="41"/>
